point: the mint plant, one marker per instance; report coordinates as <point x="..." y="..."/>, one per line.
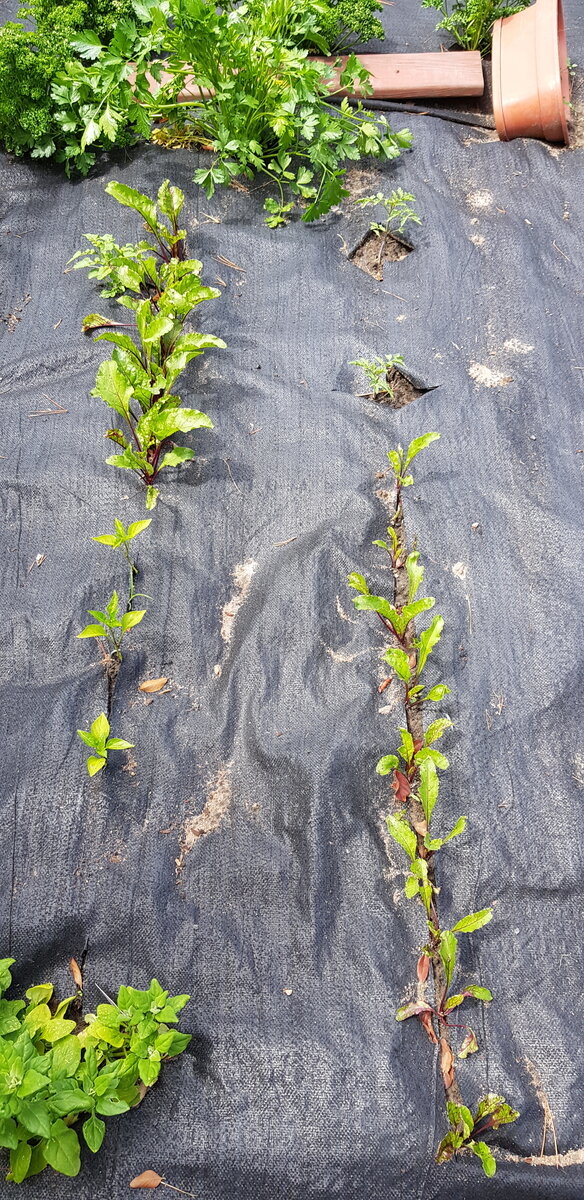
<point x="377" y="371"/>
<point x="156" y="281"/>
<point x="414" y="768"/>
<point x="98" y="740"/>
<point x="55" y="1074"/>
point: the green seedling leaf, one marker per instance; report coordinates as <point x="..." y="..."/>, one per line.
<point x="454" y="1002"/>
<point x="497" y="1107"/>
<point x="418" y="444"/>
<point x="92" y="631"/>
<point x="415" y="573"/>
<point x="460" y="1118"/>
<point x="436" y="729"/>
<point x="133" y="199"/>
<point x="400" y="662"/>
<point x="95" y="764"/>
<point x="175" y="457"/>
<point x="118" y="744"/>
<point x="113" y="388"/>
<point x="473" y="921"/>
<point x="403" y="835"/>
<point x="407" y="747"/>
<point x="448" y="948"/>
<point x="387" y="764"/>
<point x="469" y="1045"/>
<point x="62" y="1151"/>
<point x="449" y="1145"/>
<point x="410" y="611"/>
<point x="427" y="640"/>
<point x="429" y="786"/>
<point x="380" y="605"/>
<point x="152" y="495"/>
<point x="436" y="843"/>
<point x="438" y="692"/>
<point x="435" y="756"/>
<point x="20" y="1161"/>
<point x="412" y="1010"/>
<point x="131" y="619"/>
<point x="66" y="1056"/>
<point x="478" y="993"/>
<point x="357" y="581"/>
<point x="100" y="728"/>
<point x="482" y="1151"/>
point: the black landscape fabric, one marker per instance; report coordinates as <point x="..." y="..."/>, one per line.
<point x="284" y="917"/>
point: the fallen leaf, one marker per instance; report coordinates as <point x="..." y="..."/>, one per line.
<point x="153" y="685"/>
<point x="446" y="1063"/>
<point x="148" y="1179"/>
<point x="469" y="1045"/>
<point x="76" y="973"/>
<point x="385" y="683"/>
<point x="423" y="967"/>
<point x="426" y="1019"/>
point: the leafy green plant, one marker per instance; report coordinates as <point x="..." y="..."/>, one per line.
<point x="55" y="1072"/>
<point x="111" y="624"/>
<point x="471" y="21"/>
<point x="377" y="370"/>
<point x="98" y="740"/>
<point x="398" y="211"/>
<point x="414" y="768"/>
<point x="51" y="102"/>
<point x="263" y="106"/>
<point x="340" y="25"/>
<point x="158" y="282"/>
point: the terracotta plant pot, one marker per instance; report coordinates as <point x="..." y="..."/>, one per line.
<point x="531" y="81"/>
<point x="398" y="76"/>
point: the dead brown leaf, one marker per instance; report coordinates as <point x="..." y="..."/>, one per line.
<point x="148" y="1179"/>
<point x="153" y="685"/>
<point x="401" y="787"/>
<point x="76" y="973"/>
<point x="446" y="1063"/>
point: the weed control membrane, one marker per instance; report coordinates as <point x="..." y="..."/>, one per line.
<point x="238" y="852"/>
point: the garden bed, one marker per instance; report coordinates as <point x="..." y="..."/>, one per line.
<point x="239" y="852"/>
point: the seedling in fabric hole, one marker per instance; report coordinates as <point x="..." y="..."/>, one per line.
<point x="264" y="107"/>
<point x="157" y="282"/>
<point x="56" y="1072"/>
<point x="98" y="740"/>
<point x="413" y="768"/>
<point x="113" y="623"/>
<point x="470" y="22"/>
<point x="398" y="209"/>
<point x="377" y="371"/>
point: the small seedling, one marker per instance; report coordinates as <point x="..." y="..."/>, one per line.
<point x="413" y="769"/>
<point x="101" y="743"/>
<point x="158" y="282"/>
<point x="111" y="625"/>
<point x="398" y="208"/>
<point x="55" y="1072"/>
<point x="377" y="371"/>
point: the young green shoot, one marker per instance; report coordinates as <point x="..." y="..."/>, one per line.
<point x="470" y="22"/>
<point x="414" y="769"/>
<point x="111" y="624"/>
<point x="398" y="211"/>
<point x="377" y="371"/>
<point x="98" y="740"/>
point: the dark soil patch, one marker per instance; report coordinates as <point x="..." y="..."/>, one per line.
<point x="404" y="390"/>
<point x="375" y="249"/>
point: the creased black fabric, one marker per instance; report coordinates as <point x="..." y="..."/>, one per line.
<point x="320" y="1094"/>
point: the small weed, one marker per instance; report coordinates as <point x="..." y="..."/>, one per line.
<point x="101" y="743"/>
<point x="157" y="281"/>
<point x="53" y="1073"/>
<point x="414" y="771"/>
<point x="377" y="371"/>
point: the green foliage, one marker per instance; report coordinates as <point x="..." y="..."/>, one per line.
<point x="161" y="286"/>
<point x="377" y="370"/>
<point x="398" y="208"/>
<point x="112" y="623"/>
<point x="492" y="1111"/>
<point x="471" y="21"/>
<point x="263" y="106"/>
<point x="51" y="103"/>
<point x="53" y="1074"/>
<point x="344" y="24"/>
<point x="98" y="739"/>
<point x="416" y="788"/>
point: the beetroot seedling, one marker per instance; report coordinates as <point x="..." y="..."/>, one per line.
<point x="413" y="768"/>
